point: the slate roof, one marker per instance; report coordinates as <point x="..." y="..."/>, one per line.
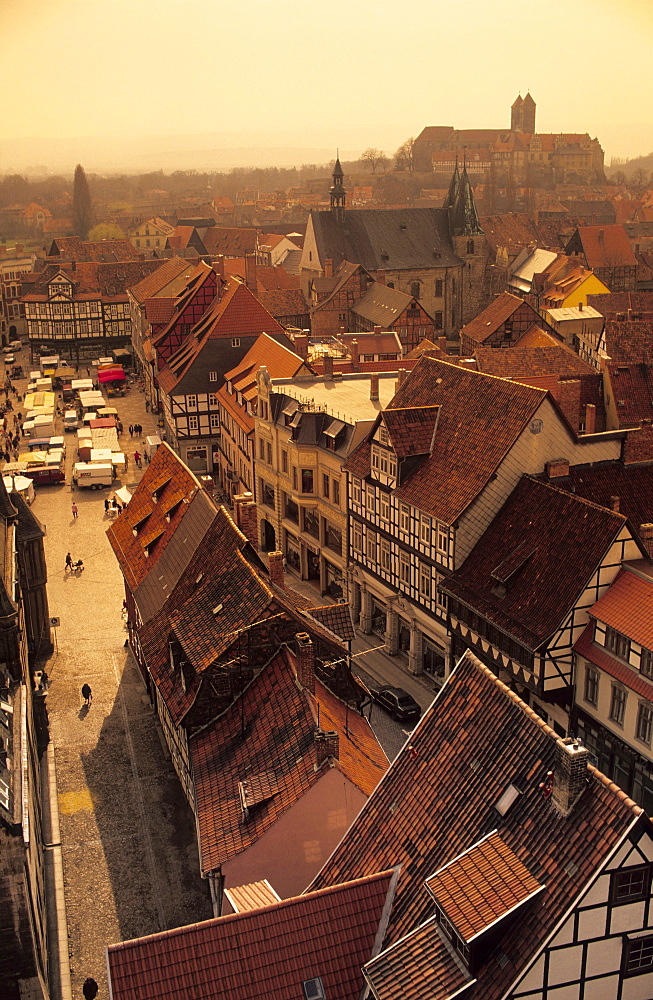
<point x="480" y="418"/>
<point x="436" y="802"/>
<point x="381" y="305"/>
<point x="262" y="954"/>
<point x="392" y="239"/>
<point x="165" y="491"/>
<point x="633" y="485"/>
<point x="556" y="359"/>
<point x="493" y="316"/>
<point x="605" y="246"/>
<point x="280" y="724"/>
<point x="560" y="540"/>
<point x="627" y="606"/>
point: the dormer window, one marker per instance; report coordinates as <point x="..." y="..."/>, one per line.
<point x="617" y="643"/>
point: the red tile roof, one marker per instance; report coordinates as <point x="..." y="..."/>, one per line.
<point x="493" y="316"/>
<point x="411" y="430"/>
<point x="599" y="483"/>
<point x="283" y="302"/>
<point x="480" y="419"/>
<point x="606" y="247"/>
<point x="234" y="242"/>
<point x="627" y="606"/>
<point x="524" y="361"/>
<point x="262" y="954"/>
<point x="632" y="391"/>
<point x="280" y="725"/>
<point x="159" y="310"/>
<point x="561" y="539"/>
<point x="440" y="799"/>
<point x="163" y="274"/>
<point x="270" y="278"/>
<point x="481" y="886"/>
<point x="599" y="655"/>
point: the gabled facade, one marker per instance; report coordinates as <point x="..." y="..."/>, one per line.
<point x="408" y="530"/>
<point x="607" y="252"/>
<point x="190" y="380"/>
<point x="525" y="872"/>
<point x="501" y="324"/>
<point x="151" y="235"/>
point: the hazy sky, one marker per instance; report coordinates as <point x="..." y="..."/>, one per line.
<point x="311" y="74"/>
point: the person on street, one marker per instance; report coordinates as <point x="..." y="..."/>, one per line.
<point x="74" y="510"/>
<point x="90" y="988"/>
<point x="87" y="694"/>
<point x="69" y="561"/>
<point x="131" y="430"/>
<point x="137" y="458"/>
<point x="106" y="505"/>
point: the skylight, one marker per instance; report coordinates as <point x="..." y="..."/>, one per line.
<point x="505" y="801"/>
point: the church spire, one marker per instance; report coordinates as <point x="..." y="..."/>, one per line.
<point x="338" y="194"/>
<point x="454" y="184"/>
<point x="463" y="215"/>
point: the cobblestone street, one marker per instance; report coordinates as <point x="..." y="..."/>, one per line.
<point x="129" y="856"/>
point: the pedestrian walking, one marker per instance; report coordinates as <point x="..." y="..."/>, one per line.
<point x="137" y="458"/>
<point x="106" y="505"/>
<point x="140" y="429"/>
<point x="131" y="430"/>
<point x="69" y="561"/>
<point x="90" y="988"/>
<point x="87" y="695"/>
<point x="74" y="510"/>
<point x="119" y="425"/>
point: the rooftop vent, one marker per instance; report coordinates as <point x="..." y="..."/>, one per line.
<point x="314" y="989"/>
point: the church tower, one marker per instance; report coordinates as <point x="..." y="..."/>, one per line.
<point x="516" y="114"/>
<point x="528" y="115"/>
<point x="469" y="244"/>
<point x="338" y="193"/>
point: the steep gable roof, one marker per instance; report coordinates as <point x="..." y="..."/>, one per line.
<point x="440" y="799"/>
<point x="627" y="605"/>
<point x="381" y="305"/>
<point x="480" y="418"/>
<point x="532" y="563"/>
<point x="403" y="238"/>
<point x="632" y="484"/>
<point x="280" y="721"/>
<point x="220" y="240"/>
<point x="604" y="246"/>
<point x="494" y="315"/>
<point x="155" y="282"/>
<point x="263" y="953"/>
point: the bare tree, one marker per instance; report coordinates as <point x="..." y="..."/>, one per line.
<point x="373" y="158"/>
<point x="82" y="209"/>
<point x="640" y="178"/>
<point x="404" y="156"/>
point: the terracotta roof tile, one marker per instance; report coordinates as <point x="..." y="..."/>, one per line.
<point x="220" y="240"/>
<point x="491" y="318"/>
<point x="283" y="301"/>
<point x="561" y="538"/>
<point x="599" y="655"/>
<point x="252" y="896"/>
<point x="411" y="430"/>
<point x="599" y="483"/>
<point x="606" y="246"/>
<point x="159" y="310"/>
<point x="524" y="361"/>
<point x="262" y="954"/>
<point x="480" y="418"/>
<point x="163" y="274"/>
<point x="627" y="606"/>
<point x="395" y="974"/>
<point x="337" y="618"/>
<point x="632" y="391"/>
<point x="436" y="802"/>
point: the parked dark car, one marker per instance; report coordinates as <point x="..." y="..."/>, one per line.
<point x="17" y="371"/>
<point x="45" y="475"/>
<point x="398" y="703"/>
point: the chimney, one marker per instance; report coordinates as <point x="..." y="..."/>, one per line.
<point x="638" y="445"/>
<point x="354" y="352"/>
<point x="615" y="504"/>
<point x="569" y="774"/>
<point x="442" y="344"/>
<point x="377" y="329"/>
<point x="305" y="662"/>
<point x="380" y="277"/>
<point x="246" y="517"/>
<point x="207" y="484"/>
<point x="580" y="306"/>
<point x="374" y="388"/>
<point x="275" y="567"/>
<point x="300" y="344"/>
<point x="326" y="747"/>
<point x="328" y="267"/>
<point x="646" y="534"/>
<point x="250" y="273"/>
<point x="557" y="468"/>
<point x="328" y="365"/>
<point x="590" y="418"/>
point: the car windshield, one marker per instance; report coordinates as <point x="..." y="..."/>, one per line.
<point x="405" y="700"/>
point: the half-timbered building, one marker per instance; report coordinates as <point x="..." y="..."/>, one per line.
<point x="523" y="596"/>
<point x="190" y="380"/>
<point x="425" y="484"/>
<point x="524" y="871"/>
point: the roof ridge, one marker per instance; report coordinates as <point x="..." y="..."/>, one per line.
<point x="270" y="908"/>
<point x="590" y="503"/>
<point x="473" y="371"/>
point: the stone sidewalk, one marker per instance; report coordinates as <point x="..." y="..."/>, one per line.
<point x="128" y="839"/>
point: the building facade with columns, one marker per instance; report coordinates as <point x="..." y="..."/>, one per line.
<point x="305" y="429"/>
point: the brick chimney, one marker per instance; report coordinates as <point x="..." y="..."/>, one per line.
<point x="246" y="517"/>
<point x="328" y="267"/>
<point x="646" y="534"/>
<point x="374" y="387"/>
<point x="207" y="484"/>
<point x="305" y="661"/>
<point x="557" y="468"/>
<point x="638" y="445"/>
<point x="378" y="329"/>
<point x="300" y="344"/>
<point x="250" y="272"/>
<point x="354" y="352"/>
<point x="568" y="395"/>
<point x="327" y="361"/>
<point x="442" y="344"/>
<point x="275" y="567"/>
<point x="326" y="747"/>
<point x="590" y="418"/>
<point x="380" y="276"/>
<point x="615" y="504"/>
<point x="570" y="775"/>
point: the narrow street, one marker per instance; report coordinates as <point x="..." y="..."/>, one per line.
<point x="129" y="856"/>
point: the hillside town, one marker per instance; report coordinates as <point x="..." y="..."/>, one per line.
<point x="335" y="502"/>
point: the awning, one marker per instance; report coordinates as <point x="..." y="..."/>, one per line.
<point x="123" y="494"/>
<point x="111" y="375"/>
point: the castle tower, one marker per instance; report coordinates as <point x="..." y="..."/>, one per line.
<point x="516" y="114"/>
<point x="528" y="115"/>
<point x="338" y="193"/>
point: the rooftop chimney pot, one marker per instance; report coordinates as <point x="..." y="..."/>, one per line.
<point x="570" y="775"/>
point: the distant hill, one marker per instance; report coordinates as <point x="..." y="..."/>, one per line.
<point x="628" y="167"/>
